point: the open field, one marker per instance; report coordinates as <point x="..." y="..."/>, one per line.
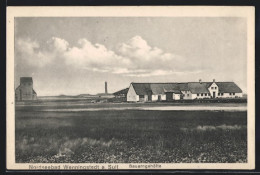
<point x="129" y="135"/>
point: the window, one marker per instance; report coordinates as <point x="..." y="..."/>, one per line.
<point x="141" y="96"/>
<point x="230" y="93"/>
<point x="233" y="93"/>
<point x="222" y="94"/>
<point x="188" y="94"/>
<point x="206" y="94"/>
<point x="218" y="94"/>
<point x="209" y="94"/>
<point x="201" y="94"/>
<point x="212" y="87"/>
<point x="198" y="94"/>
<point x="215" y="87"/>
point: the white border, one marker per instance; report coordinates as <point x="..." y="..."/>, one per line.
<point x="135" y="11"/>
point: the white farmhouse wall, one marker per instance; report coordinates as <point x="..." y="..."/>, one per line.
<point x="239" y="95"/>
<point x="199" y="96"/>
<point x="176" y="96"/>
<point x="203" y="96"/>
<point x="163" y="97"/>
<point x="187" y="95"/>
<point x="154" y="97"/>
<point x="131" y="95"/>
<point x="193" y="96"/>
<point x="213" y="88"/>
<point x="227" y="95"/>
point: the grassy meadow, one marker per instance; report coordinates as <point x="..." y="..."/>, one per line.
<point x="124" y="136"/>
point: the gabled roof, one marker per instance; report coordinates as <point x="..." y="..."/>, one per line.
<point x="161" y="88"/>
<point x="183" y="86"/>
<point x="197" y="87"/>
<point x="155" y="88"/>
<point x="194" y="87"/>
<point x="34" y="92"/>
<point x="26" y="79"/>
<point x="141" y="88"/>
<point x="123" y="91"/>
<point x="228" y="87"/>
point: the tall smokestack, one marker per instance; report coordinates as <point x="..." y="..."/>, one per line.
<point x="105" y="87"/>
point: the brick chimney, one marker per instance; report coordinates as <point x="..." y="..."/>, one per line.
<point x="105" y="87"/>
<point x="213" y="80"/>
<point x="200" y="81"/>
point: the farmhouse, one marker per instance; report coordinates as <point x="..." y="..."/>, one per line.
<point x="25" y="90"/>
<point x="187" y="91"/>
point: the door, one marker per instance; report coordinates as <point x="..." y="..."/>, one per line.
<point x="149" y="93"/>
<point x="169" y="96"/>
<point x="159" y="98"/>
<point x="214" y="94"/>
<point x="141" y="98"/>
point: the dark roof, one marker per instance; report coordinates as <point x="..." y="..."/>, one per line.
<point x="161" y="88"/>
<point x="122" y="91"/>
<point x="155" y="88"/>
<point x="26" y="79"/>
<point x="197" y="87"/>
<point x="228" y="87"/>
<point x="141" y="88"/>
<point x="194" y="87"/>
<point x="183" y="86"/>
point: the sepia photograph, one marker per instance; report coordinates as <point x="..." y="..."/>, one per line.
<point x="130" y="88"/>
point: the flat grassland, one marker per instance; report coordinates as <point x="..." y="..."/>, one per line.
<point x="129" y="135"/>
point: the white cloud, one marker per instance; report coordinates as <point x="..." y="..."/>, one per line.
<point x="133" y="58"/>
<point x="30" y="52"/>
<point x="93" y="55"/>
<point x="157" y="72"/>
<point x="138" y="50"/>
<point x="58" y="44"/>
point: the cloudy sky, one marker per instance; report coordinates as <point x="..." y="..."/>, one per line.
<point x="77" y="55"/>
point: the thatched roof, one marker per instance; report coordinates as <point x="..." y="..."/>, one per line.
<point x="194" y="87"/>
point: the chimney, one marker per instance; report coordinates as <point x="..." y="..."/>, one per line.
<point x="213" y="80"/>
<point x="105" y="87"/>
<point x="200" y="81"/>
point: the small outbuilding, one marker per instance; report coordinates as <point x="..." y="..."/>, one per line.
<point x="25" y="90"/>
<point x="173" y="95"/>
<point x="121" y="93"/>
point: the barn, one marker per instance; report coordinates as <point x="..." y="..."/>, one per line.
<point x="186" y="91"/>
<point x="25" y="90"/>
<point x="121" y="93"/>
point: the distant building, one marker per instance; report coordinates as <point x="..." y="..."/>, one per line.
<point x="186" y="91"/>
<point x="104" y="95"/>
<point x="121" y="94"/>
<point x="25" y="90"/>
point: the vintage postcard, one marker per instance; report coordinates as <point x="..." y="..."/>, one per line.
<point x="116" y="88"/>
